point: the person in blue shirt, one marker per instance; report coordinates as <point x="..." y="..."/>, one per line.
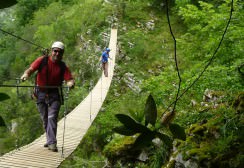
<point x="104" y="60"/>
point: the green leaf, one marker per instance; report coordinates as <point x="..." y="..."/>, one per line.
<point x="165" y="138"/>
<point x="144" y="139"/>
<point x="4" y="96"/>
<point x="124" y="131"/>
<point x="177" y="131"/>
<point x="2" y="123"/>
<point x="7" y="3"/>
<point x="131" y="124"/>
<point x="150" y="111"/>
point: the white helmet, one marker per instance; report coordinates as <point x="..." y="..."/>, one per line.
<point x="58" y="44"/>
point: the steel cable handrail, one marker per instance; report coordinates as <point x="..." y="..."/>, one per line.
<point x="179" y="96"/>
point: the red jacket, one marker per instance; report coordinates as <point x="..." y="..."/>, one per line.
<point x="54" y="73"/>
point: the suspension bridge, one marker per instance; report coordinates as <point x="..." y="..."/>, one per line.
<point x="77" y="122"/>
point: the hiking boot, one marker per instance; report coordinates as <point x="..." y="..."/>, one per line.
<point x="45" y="145"/>
<point x="53" y="147"/>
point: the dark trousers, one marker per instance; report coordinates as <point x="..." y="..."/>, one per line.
<point x="49" y="105"/>
<point x="105" y="68"/>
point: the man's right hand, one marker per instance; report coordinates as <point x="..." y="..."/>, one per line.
<point x="24" y="77"/>
<point x="26" y="74"/>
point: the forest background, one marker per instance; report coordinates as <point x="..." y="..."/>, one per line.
<point x="210" y="107"/>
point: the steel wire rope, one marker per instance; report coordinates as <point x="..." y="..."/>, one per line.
<point x="102" y="87"/>
<point x="17" y="104"/>
<point x="64" y="125"/>
<point x="18" y="81"/>
<point x="106" y="45"/>
<point x="44" y="50"/>
<point x="91" y="82"/>
<point x="211" y="58"/>
<point x="91" y="87"/>
<point x="111" y="26"/>
<point x="17" y="147"/>
<point x="24" y="86"/>
<point x="65" y="105"/>
<point x="17" y="85"/>
<point x="175" y="56"/>
<point x="65" y="110"/>
<point x="20" y="38"/>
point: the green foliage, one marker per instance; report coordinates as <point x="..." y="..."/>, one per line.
<point x="214" y="138"/>
<point x="159" y="156"/>
<point x="124" y="131"/>
<point x="4" y="96"/>
<point x="134" y="107"/>
<point x="148" y="55"/>
<point x="177" y="131"/>
<point x="23" y="121"/>
<point x="181" y="3"/>
<point x="25" y="9"/>
<point x="7" y="141"/>
<point x="2" y="123"/>
<point x="129" y="123"/>
<point x="206" y="25"/>
<point x="146" y="135"/>
<point x="150" y="111"/>
<point x="6" y="4"/>
<point x="120" y="146"/>
<point x="144" y="139"/>
<point x="162" y="86"/>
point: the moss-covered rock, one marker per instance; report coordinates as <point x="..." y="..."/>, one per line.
<point x="238" y="103"/>
<point x="120" y="148"/>
<point x="215" y="143"/>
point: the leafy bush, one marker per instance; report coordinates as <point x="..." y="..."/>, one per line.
<point x="142" y="135"/>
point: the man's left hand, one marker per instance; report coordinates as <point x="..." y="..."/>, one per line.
<point x="71" y="83"/>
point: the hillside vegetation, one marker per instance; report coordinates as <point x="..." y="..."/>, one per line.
<point x="192" y="55"/>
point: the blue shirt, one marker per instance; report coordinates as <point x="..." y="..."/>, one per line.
<point x="105" y="56"/>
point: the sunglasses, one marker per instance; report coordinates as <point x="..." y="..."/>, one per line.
<point x="57" y="51"/>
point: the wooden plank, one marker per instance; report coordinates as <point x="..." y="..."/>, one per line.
<point x="27" y="163"/>
<point x="27" y="154"/>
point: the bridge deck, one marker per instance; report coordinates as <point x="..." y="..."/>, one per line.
<point x="76" y="125"/>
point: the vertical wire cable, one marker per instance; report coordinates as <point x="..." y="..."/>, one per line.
<point x="210" y="60"/>
<point x="175" y="56"/>
<point x="102" y="87"/>
<point x="91" y="88"/>
<point x="18" y="96"/>
<point x="65" y="110"/>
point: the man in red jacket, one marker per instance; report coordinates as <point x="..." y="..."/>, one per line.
<point x="50" y="76"/>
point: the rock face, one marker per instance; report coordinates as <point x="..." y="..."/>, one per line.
<point x="14" y="125"/>
<point x="130" y="81"/>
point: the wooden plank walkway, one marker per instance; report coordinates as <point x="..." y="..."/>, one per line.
<point x="77" y="123"/>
